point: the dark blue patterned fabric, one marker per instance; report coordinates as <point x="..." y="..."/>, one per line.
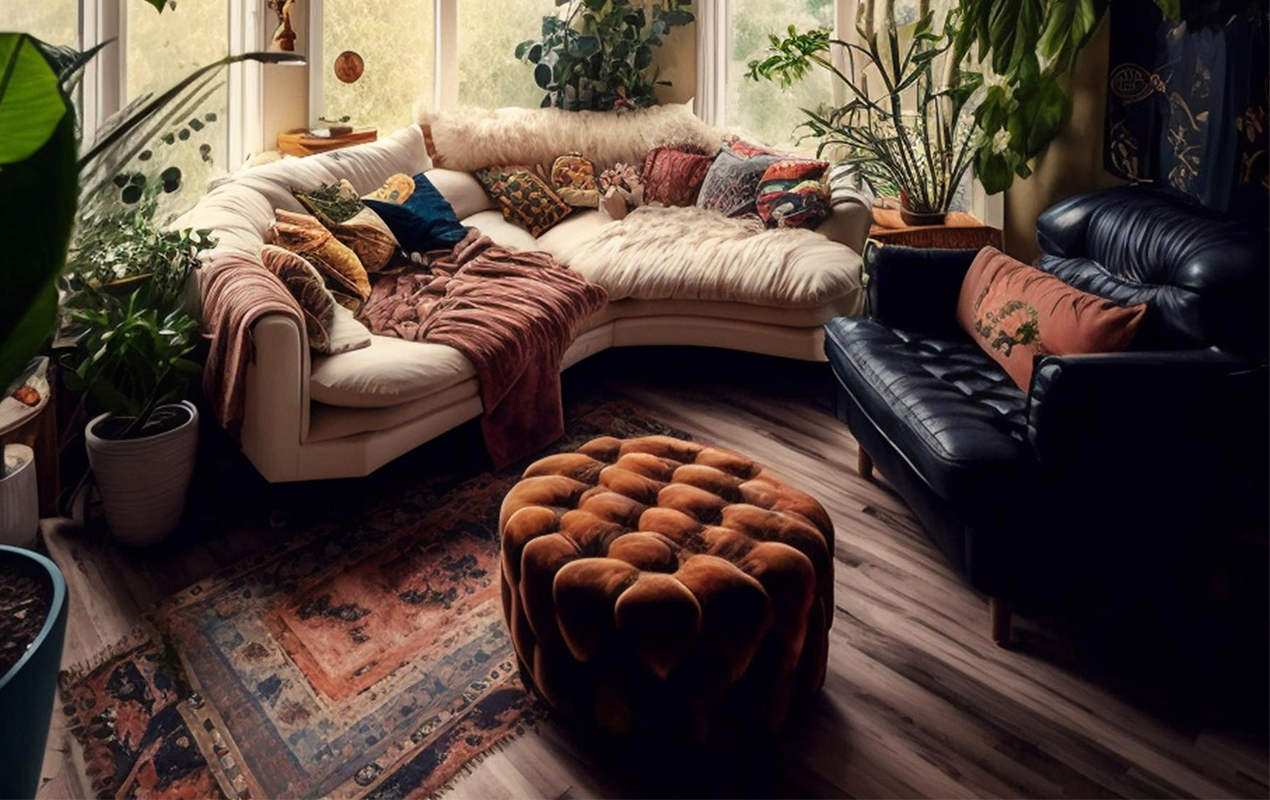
<point x="426" y="221"/>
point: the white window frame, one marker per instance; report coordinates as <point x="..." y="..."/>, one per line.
<point x="105" y="78"/>
<point x="445" y="49"/>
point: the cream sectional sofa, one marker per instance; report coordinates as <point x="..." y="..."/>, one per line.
<point x="313" y="417"/>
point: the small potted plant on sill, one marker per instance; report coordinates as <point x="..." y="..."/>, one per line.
<point x="32" y="629"/>
<point x="908" y="126"/>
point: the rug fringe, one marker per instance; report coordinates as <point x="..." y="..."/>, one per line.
<point x="475" y="761"/>
<point x="143" y="633"/>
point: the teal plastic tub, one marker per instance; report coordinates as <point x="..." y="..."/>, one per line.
<point x="27" y="691"/>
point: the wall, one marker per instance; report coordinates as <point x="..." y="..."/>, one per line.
<point x="676" y="61"/>
<point x="1073" y="163"/>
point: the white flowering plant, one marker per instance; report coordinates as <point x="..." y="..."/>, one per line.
<point x="908" y="126"/>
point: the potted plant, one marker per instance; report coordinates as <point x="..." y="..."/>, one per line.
<point x="32" y="629"/>
<point x="131" y="362"/>
<point x="908" y="124"/>
<point x="19" y="499"/>
<point x="597" y="54"/>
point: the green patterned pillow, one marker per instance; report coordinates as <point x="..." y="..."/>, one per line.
<point x="524" y="198"/>
<point x="337" y="206"/>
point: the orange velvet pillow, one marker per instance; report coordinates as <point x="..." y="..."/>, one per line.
<point x="1016" y="312"/>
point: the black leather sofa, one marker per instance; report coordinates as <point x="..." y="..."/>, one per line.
<point x="1113" y="470"/>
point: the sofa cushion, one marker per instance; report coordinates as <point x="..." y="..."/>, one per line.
<point x="239" y="211"/>
<point x="689" y="253"/>
<point x="462" y="190"/>
<point x="389" y="372"/>
<point x="951" y="411"/>
<point x="492" y="224"/>
<point x="580" y="227"/>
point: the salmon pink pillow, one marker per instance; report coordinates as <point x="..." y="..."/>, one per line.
<point x="1016" y="312"/>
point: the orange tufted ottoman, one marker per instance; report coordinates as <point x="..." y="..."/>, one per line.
<point x="659" y="586"/>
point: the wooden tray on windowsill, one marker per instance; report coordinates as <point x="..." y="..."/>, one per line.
<point x="305" y="143"/>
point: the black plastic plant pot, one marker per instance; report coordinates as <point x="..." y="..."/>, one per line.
<point x="31" y="585"/>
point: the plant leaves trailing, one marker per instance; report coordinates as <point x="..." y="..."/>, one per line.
<point x="40" y="175"/>
<point x="598" y="54"/>
<point x="38" y="182"/>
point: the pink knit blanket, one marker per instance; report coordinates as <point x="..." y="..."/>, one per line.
<point x="237" y="290"/>
<point x="513" y="314"/>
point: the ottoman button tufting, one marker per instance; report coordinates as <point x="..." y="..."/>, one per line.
<point x="652" y="581"/>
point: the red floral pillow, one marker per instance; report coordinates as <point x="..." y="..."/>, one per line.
<point x="673" y="177"/>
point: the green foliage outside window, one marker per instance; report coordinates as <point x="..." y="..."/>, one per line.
<point x="598" y="54"/>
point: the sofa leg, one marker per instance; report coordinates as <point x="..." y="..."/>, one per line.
<point x="999" y="615"/>
<point x="864" y="464"/>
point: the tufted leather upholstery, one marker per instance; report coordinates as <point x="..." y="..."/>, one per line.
<point x="662" y="586"/>
<point x="954" y="413"/>
<point x="1204" y="277"/>
<point x="1061" y="486"/>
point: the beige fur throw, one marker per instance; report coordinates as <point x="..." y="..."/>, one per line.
<point x="469" y="139"/>
<point x="689" y="253"/>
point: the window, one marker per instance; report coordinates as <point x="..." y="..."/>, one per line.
<point x="767" y="110"/>
<point x="395" y="40"/>
<point x="159" y="50"/>
<point x="53" y="21"/>
<point x="489" y="30"/>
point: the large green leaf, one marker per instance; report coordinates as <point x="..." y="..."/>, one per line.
<point x="31" y="105"/>
<point x="37" y="204"/>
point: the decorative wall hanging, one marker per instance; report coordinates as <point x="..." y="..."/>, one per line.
<point x="1186" y="107"/>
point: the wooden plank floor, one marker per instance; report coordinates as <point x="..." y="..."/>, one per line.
<point x="918" y="702"/>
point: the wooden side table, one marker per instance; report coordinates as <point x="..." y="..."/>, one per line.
<point x="306" y="143"/>
<point x="959" y="231"/>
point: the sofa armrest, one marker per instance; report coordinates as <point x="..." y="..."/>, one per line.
<point x="915" y="288"/>
<point x="851" y="202"/>
<point x="276" y="407"/>
<point x="1156" y="434"/>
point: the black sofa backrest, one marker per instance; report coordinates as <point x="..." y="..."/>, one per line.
<point x="1203" y="276"/>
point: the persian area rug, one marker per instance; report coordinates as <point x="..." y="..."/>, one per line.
<point x="366" y="660"/>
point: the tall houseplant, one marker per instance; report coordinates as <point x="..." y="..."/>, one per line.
<point x="910" y="133"/>
<point x="598" y="54"/>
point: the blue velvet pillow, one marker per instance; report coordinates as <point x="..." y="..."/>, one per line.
<point x="426" y="221"/>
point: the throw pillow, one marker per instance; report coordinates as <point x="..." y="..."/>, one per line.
<point x="1016" y="312"/>
<point x="309" y="290"/>
<point x="424" y="221"/>
<point x="525" y="198"/>
<point x="731" y="184"/>
<point x="337" y="206"/>
<point x="397" y="189"/>
<point x="792" y="194"/>
<point x="747" y="149"/>
<point x="573" y="177"/>
<point x="339" y="265"/>
<point x="674" y="177"/>
<point x="346" y="333"/>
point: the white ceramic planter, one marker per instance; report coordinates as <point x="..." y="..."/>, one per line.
<point x="143" y="481"/>
<point x="19" y="497"/>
